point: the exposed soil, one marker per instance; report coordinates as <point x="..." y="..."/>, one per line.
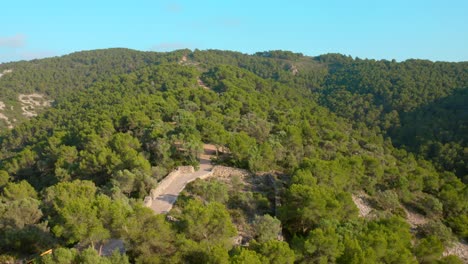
<point x="415" y="219"/>
<point x="202" y="84"/>
<point x="7" y="121"/>
<point x="362" y="204"/>
<point x="4" y="117"/>
<point x="30" y="102"/>
<point x="459" y="249"/>
<point x="5" y="72"/>
<point x="294" y="70"/>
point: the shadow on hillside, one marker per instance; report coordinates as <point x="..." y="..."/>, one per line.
<point x="427" y="129"/>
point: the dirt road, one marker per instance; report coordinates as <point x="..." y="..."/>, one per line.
<point x="165" y="200"/>
<point x="168" y="195"/>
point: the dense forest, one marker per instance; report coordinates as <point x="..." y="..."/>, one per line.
<point x="324" y="129"/>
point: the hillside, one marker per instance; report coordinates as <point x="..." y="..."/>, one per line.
<point x="315" y="130"/>
<point x="51" y="78"/>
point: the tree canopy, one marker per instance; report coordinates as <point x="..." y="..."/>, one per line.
<point x="313" y="132"/>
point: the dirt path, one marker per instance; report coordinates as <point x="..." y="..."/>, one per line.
<point x="167" y="195"/>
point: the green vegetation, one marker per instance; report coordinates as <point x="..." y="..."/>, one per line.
<point x="324" y="128"/>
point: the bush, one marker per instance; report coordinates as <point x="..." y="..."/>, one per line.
<point x="387" y="200"/>
<point x="438" y="229"/>
<point x="429" y="249"/>
<point x="266" y="228"/>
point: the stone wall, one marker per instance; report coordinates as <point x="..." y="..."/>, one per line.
<point x="225" y="172"/>
<point x="185" y="169"/>
<point x="216" y="171"/>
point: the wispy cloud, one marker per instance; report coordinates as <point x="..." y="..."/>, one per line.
<point x="169" y="46"/>
<point x="15" y="48"/>
<point x="16" y="41"/>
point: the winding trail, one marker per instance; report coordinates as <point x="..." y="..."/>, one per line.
<point x="166" y="194"/>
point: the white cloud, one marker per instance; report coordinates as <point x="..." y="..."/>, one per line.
<point x="15" y="48"/>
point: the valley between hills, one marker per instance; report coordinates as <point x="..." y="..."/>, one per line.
<point x="210" y="156"/>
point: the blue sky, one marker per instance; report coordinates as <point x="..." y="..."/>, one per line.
<point x="435" y="30"/>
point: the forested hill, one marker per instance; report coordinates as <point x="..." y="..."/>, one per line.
<point x="420" y="104"/>
<point x="325" y="128"/>
<point x="408" y="101"/>
<point x="26" y="87"/>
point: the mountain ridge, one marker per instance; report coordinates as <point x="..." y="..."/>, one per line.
<point x="117" y="126"/>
